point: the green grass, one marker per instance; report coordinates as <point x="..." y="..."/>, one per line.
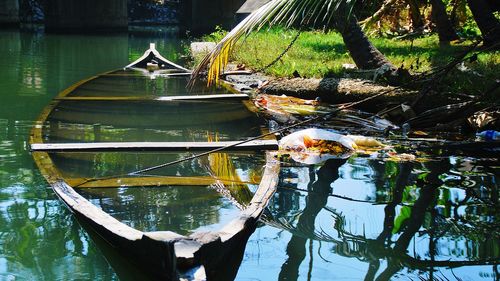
<point x="317" y="54"/>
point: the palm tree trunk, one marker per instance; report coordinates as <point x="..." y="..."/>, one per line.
<point x="364" y="54"/>
<point x="386" y="6"/>
<point x="416" y="17"/>
<point x="494" y="5"/>
<point x="445" y="29"/>
<point x="458" y="12"/>
<point x="486" y="21"/>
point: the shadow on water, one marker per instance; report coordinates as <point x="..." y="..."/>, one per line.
<point x="123" y="267"/>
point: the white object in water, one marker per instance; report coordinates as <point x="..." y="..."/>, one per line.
<point x="152" y="66"/>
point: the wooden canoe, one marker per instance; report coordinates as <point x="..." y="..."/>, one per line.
<point x="74" y="131"/>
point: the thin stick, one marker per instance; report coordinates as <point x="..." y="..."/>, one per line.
<point x="340" y="108"/>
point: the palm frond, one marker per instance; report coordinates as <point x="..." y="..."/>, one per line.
<point x="286" y="12"/>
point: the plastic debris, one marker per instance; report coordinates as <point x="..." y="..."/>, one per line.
<point x="401" y="157"/>
<point x="302" y="140"/>
<point x="312" y="146"/>
<point x="485" y="119"/>
<point x="365" y="142"/>
<point x="489" y="135"/>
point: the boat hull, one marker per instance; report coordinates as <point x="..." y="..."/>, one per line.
<point x="159" y="254"/>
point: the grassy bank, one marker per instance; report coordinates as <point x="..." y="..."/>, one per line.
<point x="317" y="54"/>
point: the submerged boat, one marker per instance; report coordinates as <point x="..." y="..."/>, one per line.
<point x="128" y="152"/>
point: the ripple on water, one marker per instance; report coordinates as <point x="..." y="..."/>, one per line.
<point x="409" y="220"/>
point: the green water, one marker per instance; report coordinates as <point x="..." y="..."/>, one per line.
<point x="39" y="238"/>
<point x="356" y="219"/>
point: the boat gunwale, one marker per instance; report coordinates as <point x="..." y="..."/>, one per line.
<point x="154" y="146"/>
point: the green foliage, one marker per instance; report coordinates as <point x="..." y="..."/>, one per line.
<point x="287" y="13"/>
<point x="400" y="220"/>
<point x="469" y="29"/>
<point x="315" y="54"/>
<point x="215" y="36"/>
<point x="409" y="197"/>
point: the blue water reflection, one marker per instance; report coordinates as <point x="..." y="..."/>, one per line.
<point x="367" y="219"/>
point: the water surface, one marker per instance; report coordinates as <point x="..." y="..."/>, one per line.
<point x="39" y="238"/>
<point x="369" y="219"/>
<point x="357" y="219"/>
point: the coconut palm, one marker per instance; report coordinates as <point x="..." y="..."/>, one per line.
<point x="445" y="29"/>
<point x="325" y="13"/>
<point x="486" y="21"/>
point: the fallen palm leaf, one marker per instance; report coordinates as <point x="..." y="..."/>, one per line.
<point x="285" y="12"/>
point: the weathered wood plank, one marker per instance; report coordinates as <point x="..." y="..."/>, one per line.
<point x="147" y="76"/>
<point x="156" y="98"/>
<point x="171" y="117"/>
<point x="153" y="54"/>
<point x="149" y="181"/>
<point x="79" y="204"/>
<point x="267" y="188"/>
<point x="152" y="146"/>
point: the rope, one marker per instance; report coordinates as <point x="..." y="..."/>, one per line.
<point x="281" y="55"/>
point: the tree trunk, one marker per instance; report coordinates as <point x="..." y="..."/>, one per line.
<point x="446" y="32"/>
<point x="386" y="6"/>
<point x="364" y="54"/>
<point x="459" y="12"/>
<point x="486" y="21"/>
<point x="494" y="5"/>
<point x="416" y="17"/>
<point x="342" y="90"/>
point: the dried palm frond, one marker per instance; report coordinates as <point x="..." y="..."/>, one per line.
<point x="286" y="12"/>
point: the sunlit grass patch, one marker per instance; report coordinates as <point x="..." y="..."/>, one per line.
<point x="318" y="54"/>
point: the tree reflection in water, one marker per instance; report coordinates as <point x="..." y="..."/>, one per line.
<point x="316" y="200"/>
<point x="40" y="239"/>
<point x="434" y="216"/>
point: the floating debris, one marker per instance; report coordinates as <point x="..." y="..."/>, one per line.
<point x="312" y="146"/>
